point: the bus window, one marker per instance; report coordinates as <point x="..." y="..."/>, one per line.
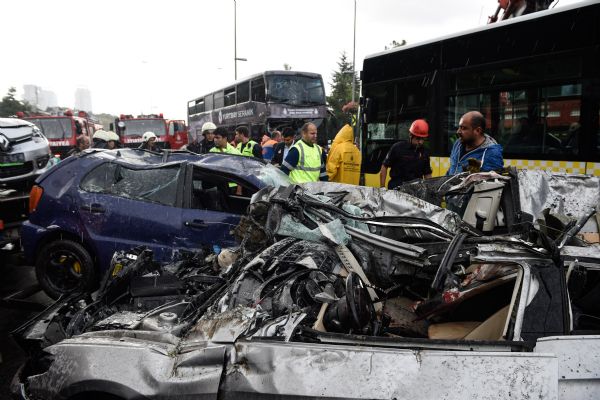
<point x="243" y="92"/>
<point x="219" y="100"/>
<point x="258" y="90"/>
<point x="199" y="107"/>
<point x="229" y="97"/>
<point x="208" y="102"/>
<point x="533" y="121"/>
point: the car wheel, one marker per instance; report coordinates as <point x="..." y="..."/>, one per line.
<point x="64" y="266"/>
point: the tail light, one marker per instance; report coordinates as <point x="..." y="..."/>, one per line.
<point x="34" y="197"/>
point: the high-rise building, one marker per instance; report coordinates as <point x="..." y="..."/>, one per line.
<point x="83" y="99"/>
<point x="38" y="97"/>
<point x="31" y="94"/>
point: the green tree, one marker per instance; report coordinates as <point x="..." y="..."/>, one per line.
<point x="341" y="88"/>
<point x="9" y="105"/>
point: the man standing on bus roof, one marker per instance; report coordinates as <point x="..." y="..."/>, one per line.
<point x="475" y="150"/>
<point x="306" y="160"/>
<point x="407" y="160"/>
<point x="221" y="143"/>
<point x="246" y="146"/>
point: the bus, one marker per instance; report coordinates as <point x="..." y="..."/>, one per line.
<point x="62" y="130"/>
<point x="264" y="102"/>
<point x="535" y="78"/>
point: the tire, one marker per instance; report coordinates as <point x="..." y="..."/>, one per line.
<point x="65" y="266"/>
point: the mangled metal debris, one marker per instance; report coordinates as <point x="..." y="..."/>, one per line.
<point x="329" y="281"/>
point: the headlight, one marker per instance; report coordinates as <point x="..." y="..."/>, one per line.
<point x="42" y="161"/>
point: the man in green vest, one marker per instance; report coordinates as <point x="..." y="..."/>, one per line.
<point x="245" y="145"/>
<point x="306" y="160"/>
<point x="221" y="143"/>
<point x="222" y="146"/>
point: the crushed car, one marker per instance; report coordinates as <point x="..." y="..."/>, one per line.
<point x="339" y="291"/>
<point x="102" y="201"/>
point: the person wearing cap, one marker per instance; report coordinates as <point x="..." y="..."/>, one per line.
<point x="281" y="149"/>
<point x="408" y="160"/>
<point x="149" y="142"/>
<point x="246" y="146"/>
<point x="113" y="140"/>
<point x="100" y="139"/>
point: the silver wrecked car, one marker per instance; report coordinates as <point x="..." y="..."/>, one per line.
<point x="24" y="151"/>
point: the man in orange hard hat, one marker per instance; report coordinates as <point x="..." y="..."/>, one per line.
<point x="408" y="160"/>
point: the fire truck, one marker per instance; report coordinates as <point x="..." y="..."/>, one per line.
<point x="62" y="130"/>
<point x="178" y="133"/>
<point x="130" y="129"/>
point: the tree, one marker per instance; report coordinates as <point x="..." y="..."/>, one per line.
<point x="9" y="105"/>
<point x="287" y="67"/>
<point x="395" y="44"/>
<point x="341" y="87"/>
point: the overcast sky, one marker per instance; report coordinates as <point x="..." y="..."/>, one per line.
<point x="154" y="56"/>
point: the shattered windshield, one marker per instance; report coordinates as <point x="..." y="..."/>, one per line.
<point x="295" y="89"/>
<point x="157" y="185"/>
<point x="137" y="127"/>
<point x="54" y="128"/>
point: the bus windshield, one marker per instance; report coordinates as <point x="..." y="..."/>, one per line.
<point x="295" y="89"/>
<point x="54" y="128"/>
<point x="137" y="127"/>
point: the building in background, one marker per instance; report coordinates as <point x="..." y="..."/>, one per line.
<point x="40" y="98"/>
<point x="83" y="99"/>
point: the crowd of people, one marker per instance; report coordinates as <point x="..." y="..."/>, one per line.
<point x="306" y="161"/>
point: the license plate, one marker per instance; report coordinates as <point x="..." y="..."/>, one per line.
<point x="12" y="158"/>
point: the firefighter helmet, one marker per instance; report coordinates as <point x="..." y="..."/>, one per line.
<point x="208" y="126"/>
<point x="419" y="128"/>
<point x="148" y="135"/>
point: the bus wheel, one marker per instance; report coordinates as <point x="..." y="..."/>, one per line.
<point x="64" y="266"/>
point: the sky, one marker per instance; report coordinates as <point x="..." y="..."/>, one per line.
<point x="154" y="56"/>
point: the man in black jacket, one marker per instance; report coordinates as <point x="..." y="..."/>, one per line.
<point x="281" y="149"/>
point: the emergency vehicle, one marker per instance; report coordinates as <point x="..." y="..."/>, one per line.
<point x="131" y="129"/>
<point x="178" y="133"/>
<point x="62" y="130"/>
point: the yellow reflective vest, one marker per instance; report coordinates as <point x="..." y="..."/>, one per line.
<point x="309" y="163"/>
<point x="229" y="150"/>
<point x="247" y="152"/>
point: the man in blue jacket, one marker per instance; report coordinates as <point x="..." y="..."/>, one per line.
<point x="475" y="151"/>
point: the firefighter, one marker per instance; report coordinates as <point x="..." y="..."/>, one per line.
<point x="344" y="159"/>
<point x="100" y="139"/>
<point x="221" y="143"/>
<point x="81" y="143"/>
<point x="207" y="143"/>
<point x="113" y="140"/>
<point x="149" y="142"/>
<point x="306" y="160"/>
<point x="246" y="146"/>
<point x="408" y="160"/>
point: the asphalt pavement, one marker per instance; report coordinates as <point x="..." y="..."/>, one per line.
<point x="15" y="276"/>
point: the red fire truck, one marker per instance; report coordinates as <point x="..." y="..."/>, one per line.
<point x="62" y="130"/>
<point x="178" y="133"/>
<point x="170" y="134"/>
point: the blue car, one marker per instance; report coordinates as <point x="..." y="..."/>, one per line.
<point x="102" y="201"/>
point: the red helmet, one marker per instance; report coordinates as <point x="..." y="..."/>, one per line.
<point x="419" y="128"/>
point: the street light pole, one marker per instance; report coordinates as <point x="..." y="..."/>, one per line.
<point x="354" y="56"/>
<point x="235" y="39"/>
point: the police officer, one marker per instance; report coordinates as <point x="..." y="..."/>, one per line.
<point x="246" y="146"/>
<point x="408" y="160"/>
<point x="306" y="160"/>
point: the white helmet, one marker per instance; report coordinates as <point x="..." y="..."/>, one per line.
<point x="112" y="136"/>
<point x="148" y="135"/>
<point x="101" y="134"/>
<point x="208" y="126"/>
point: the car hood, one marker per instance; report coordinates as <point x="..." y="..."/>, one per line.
<point x="16" y="130"/>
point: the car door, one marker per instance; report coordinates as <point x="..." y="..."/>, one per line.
<point x="123" y="207"/>
<point x="210" y="210"/>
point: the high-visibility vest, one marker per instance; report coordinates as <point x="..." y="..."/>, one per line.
<point x="309" y="163"/>
<point x="229" y="150"/>
<point x="247" y="152"/>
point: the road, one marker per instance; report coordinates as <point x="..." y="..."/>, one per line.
<point x="15" y="276"/>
